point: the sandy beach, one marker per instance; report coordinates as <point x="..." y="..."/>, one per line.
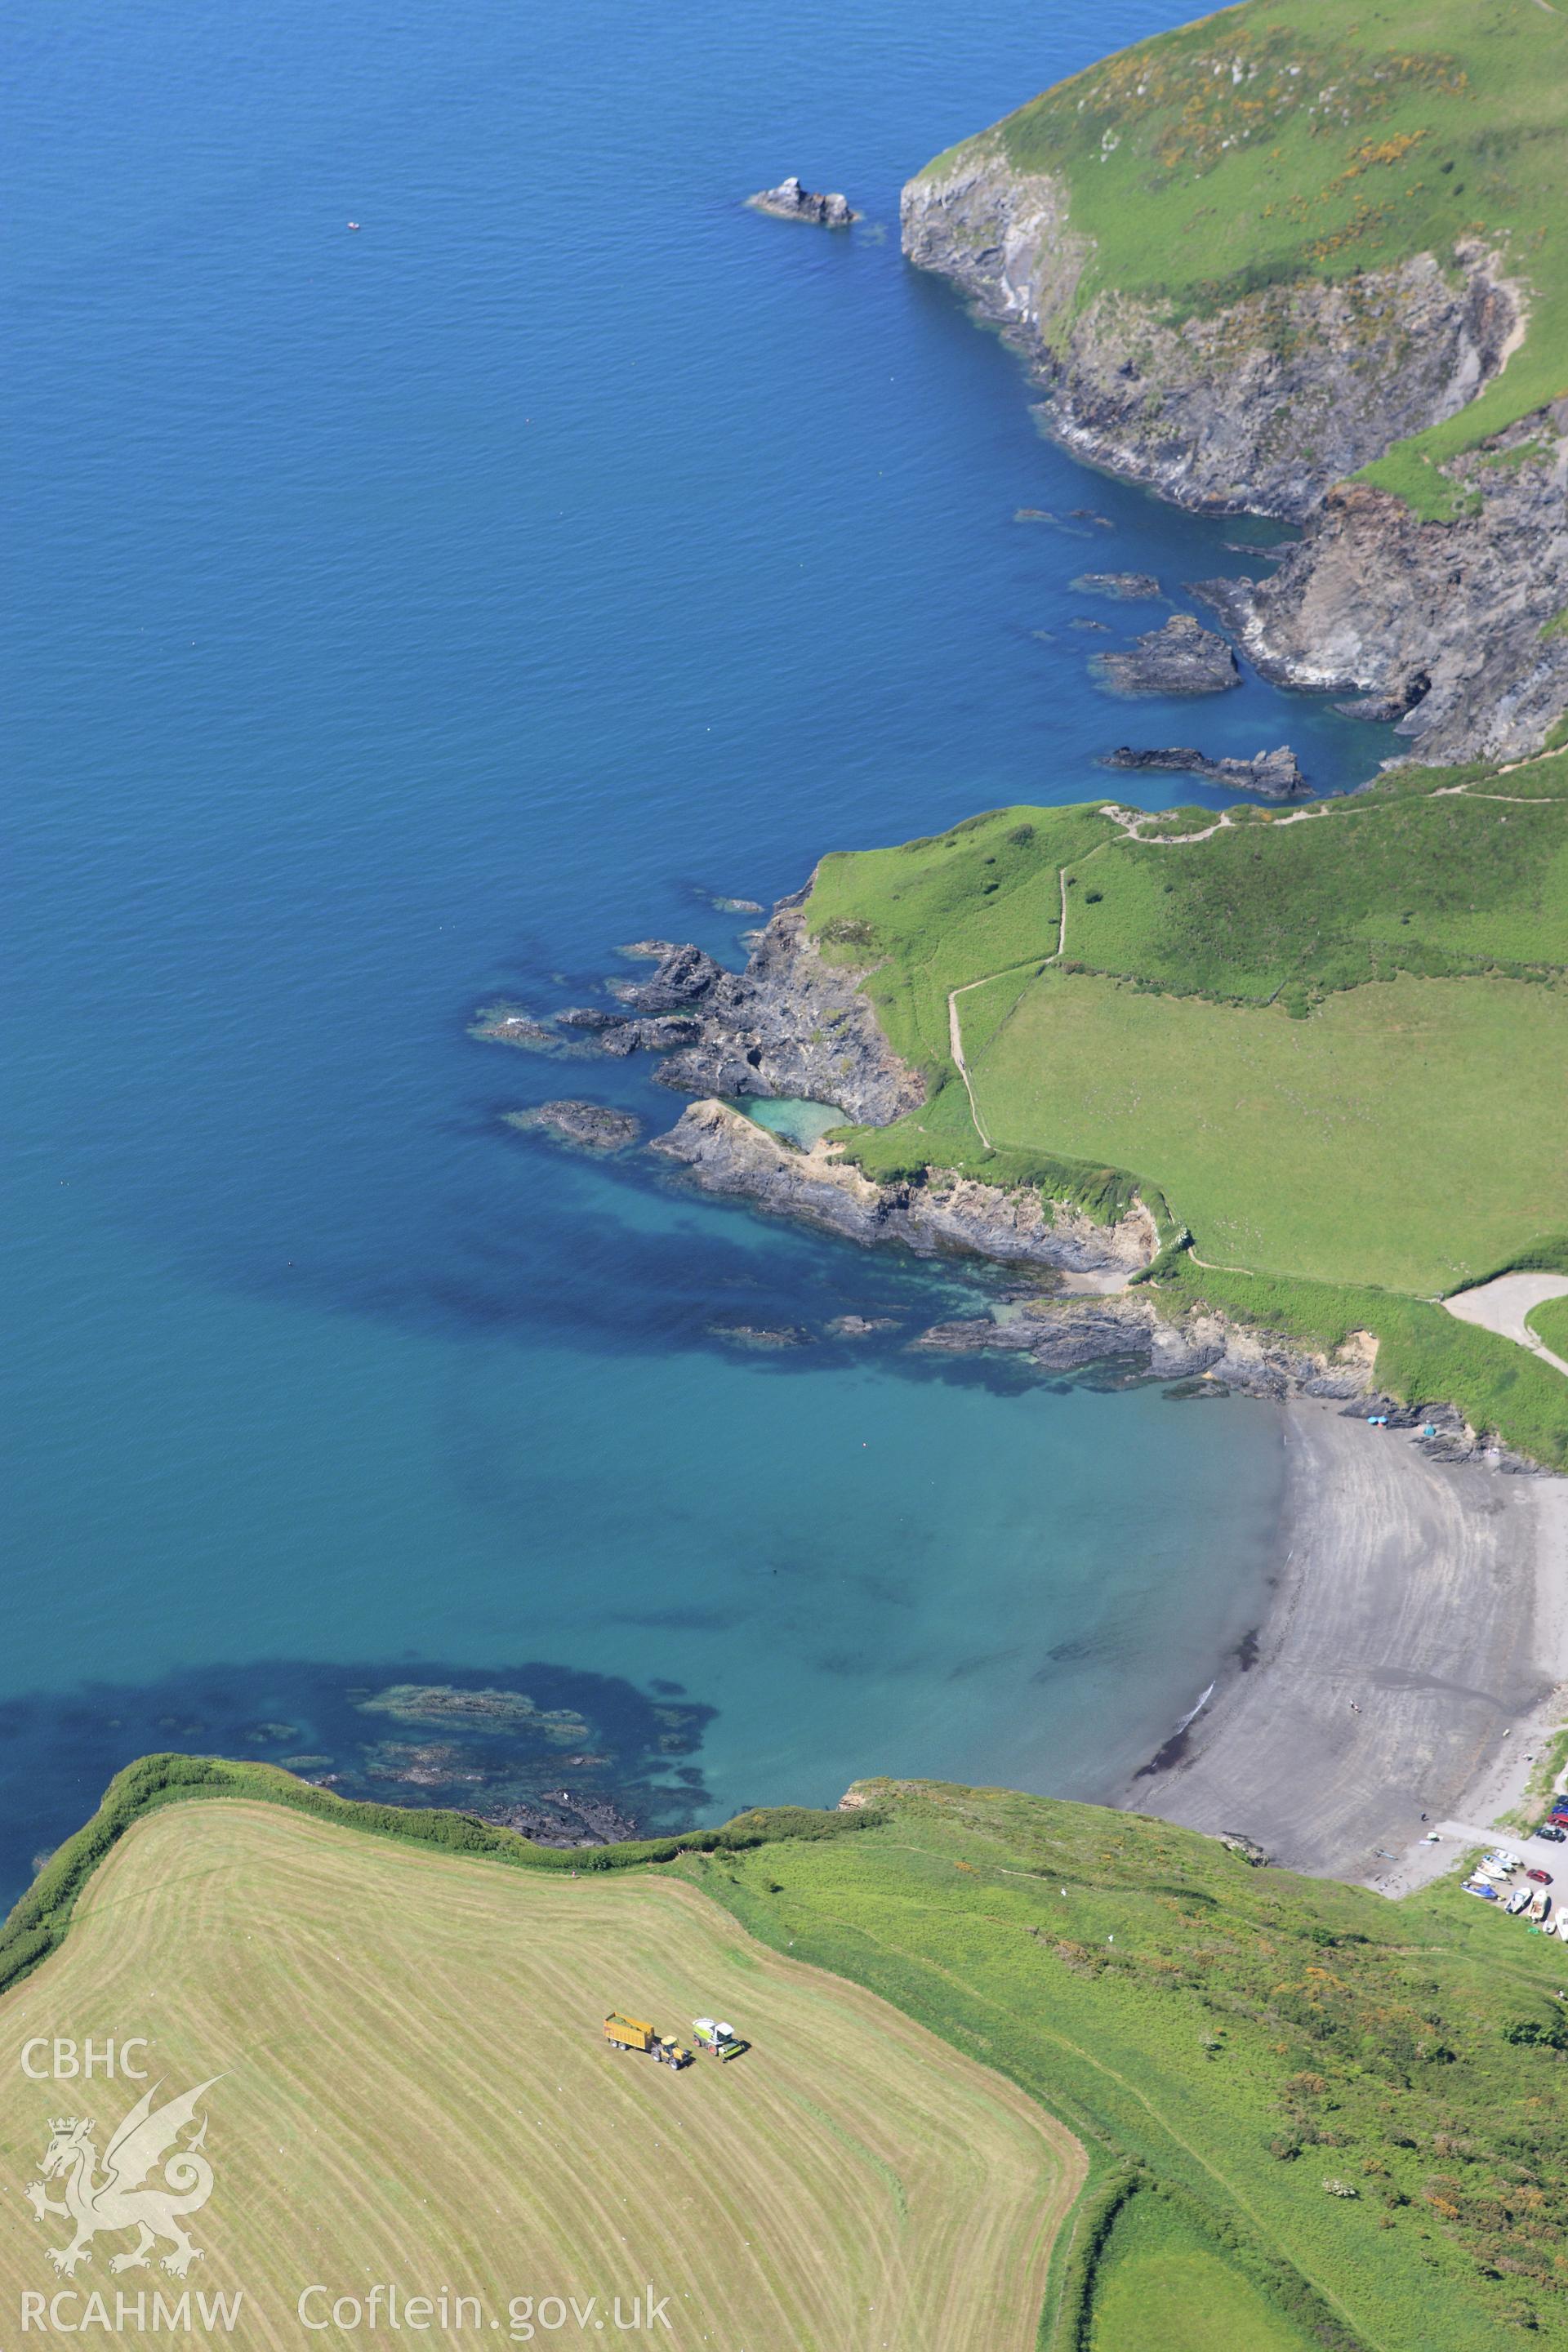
<point x="1416" y="1649"/>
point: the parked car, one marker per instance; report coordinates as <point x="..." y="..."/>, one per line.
<point x="1554" y="1833"/>
<point x="1541" y="1878"/>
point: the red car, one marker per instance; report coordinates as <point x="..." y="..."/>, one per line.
<point x="1541" y="1878"/>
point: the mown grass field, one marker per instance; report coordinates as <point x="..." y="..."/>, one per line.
<point x="1396" y="1136"/>
<point x="1291" y="139"/>
<point x="415" y="2090"/>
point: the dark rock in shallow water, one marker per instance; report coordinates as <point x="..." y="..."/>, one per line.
<point x="1123" y="585"/>
<point x="1183" y="658"/>
<point x="564" y="1819"/>
<point x="589" y="1016"/>
<point x="683" y="976"/>
<point x="790" y="201"/>
<point x="1277" y="773"/>
<point x="509" y="1025"/>
<point x="590" y="1127"/>
<point x="760" y="1336"/>
<point x="1100" y="628"/>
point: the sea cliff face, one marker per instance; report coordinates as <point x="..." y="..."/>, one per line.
<point x="1260" y="406"/>
<point x="1451" y="627"/>
<point x="725" y="1152"/>
<point x="1268" y="406"/>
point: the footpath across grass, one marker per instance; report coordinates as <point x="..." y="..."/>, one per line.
<point x="1325" y="1046"/>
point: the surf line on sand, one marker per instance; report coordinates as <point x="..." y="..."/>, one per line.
<point x="1175" y="1746"/>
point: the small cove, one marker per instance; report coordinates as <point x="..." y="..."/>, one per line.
<point x="401" y="619"/>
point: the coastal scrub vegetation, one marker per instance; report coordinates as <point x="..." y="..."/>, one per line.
<point x="1240" y="2037"/>
<point x="1317" y="1045"/>
<point x="1291" y="138"/>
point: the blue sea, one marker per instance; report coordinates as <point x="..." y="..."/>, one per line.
<point x="402" y="617"/>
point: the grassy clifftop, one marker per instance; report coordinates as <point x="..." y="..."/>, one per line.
<point x="1243" y="2036"/>
<point x="1312" y="2119"/>
<point x="1291" y="139"/>
<point x="1325" y="1044"/>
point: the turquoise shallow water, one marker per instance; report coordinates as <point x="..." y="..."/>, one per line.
<point x="403" y="617"/>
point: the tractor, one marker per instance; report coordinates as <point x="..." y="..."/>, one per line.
<point x="624" y="2032"/>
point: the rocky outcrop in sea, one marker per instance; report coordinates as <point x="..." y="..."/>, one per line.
<point x="790" y="201"/>
<point x="1183" y="657"/>
<point x="585" y="1126"/>
<point x="789" y="1024"/>
<point x="1275" y="775"/>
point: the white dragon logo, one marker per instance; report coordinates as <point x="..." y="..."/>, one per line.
<point x="119" y="2200"/>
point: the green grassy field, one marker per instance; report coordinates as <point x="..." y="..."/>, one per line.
<point x="414" y="2079"/>
<point x="1162" y="2287"/>
<point x="1287" y="139"/>
<point x="1390" y="1139"/>
<point x="1550" y="1322"/>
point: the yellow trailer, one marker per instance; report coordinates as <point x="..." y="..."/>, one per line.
<point x="636" y="2033"/>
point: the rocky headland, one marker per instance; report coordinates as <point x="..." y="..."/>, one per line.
<point x="1269" y="404"/>
<point x="722" y="1150"/>
<point x="788" y="1024"/>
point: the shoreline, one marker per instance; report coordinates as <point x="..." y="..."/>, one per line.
<point x="1414" y="1653"/>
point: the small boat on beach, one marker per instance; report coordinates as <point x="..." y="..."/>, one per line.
<point x="1540" y="1904"/>
<point x="1517" y="1901"/>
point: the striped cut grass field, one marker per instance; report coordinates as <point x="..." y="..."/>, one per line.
<point x="416" y="2091"/>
